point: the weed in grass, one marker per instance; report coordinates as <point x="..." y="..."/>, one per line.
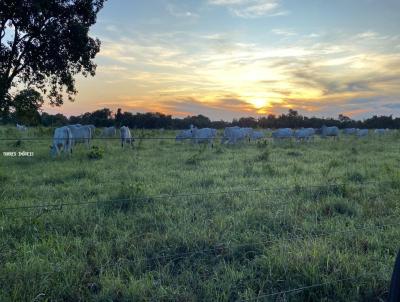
<point x="294" y="153"/>
<point x="194" y="159"/>
<point x="95" y="153"/>
<point x="17" y="144"/>
<point x="338" y="208"/>
<point x="353" y="151"/>
<point x="130" y="196"/>
<point x="262" y="144"/>
<point x="264" y="155"/>
<point x="355" y="177"/>
<point x="219" y="149"/>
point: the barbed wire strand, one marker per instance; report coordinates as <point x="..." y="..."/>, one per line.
<point x="262" y="296"/>
<point x="303" y="288"/>
<point x="109" y="138"/>
<point x="222" y="246"/>
<point x="50" y="138"/>
<point x="169" y="196"/>
<point x="159" y="227"/>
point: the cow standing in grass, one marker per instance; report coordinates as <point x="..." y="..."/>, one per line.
<point x="349" y="131"/>
<point x="283" y="133"/>
<point x="184" y="135"/>
<point x="80" y="134"/>
<point x="362" y="132"/>
<point x="203" y="135"/>
<point x="330" y="132"/>
<point x="126" y="137"/>
<point x="92" y="130"/>
<point x="232" y="135"/>
<point x="21" y="128"/>
<point x="304" y="134"/>
<point x="257" y="135"/>
<point x="62" y="141"/>
<point x="381" y="131"/>
<point x="109" y="132"/>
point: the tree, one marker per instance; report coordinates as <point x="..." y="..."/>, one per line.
<point x="118" y="117"/>
<point x="27" y="104"/>
<point x="45" y="43"/>
<point x="5" y="105"/>
<point x="247" y="122"/>
<point x="293" y="113"/>
<point x="343" y="118"/>
<point x="53" y="120"/>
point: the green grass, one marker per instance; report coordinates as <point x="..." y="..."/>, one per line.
<point x="148" y="245"/>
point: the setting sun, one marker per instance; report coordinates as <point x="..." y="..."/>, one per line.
<point x="259" y="103"/>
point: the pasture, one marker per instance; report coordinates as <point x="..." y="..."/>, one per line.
<point x="168" y="221"/>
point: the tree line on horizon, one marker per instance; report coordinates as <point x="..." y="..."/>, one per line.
<point x="27" y="112"/>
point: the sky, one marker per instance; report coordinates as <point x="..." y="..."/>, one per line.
<point x="231" y="58"/>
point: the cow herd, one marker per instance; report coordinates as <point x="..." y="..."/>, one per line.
<point x="233" y="135"/>
<point x="66" y="137"/>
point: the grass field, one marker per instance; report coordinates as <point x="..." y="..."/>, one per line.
<point x="148" y="223"/>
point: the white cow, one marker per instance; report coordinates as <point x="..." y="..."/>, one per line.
<point x="248" y="132"/>
<point x="126" y="137"/>
<point x="21" y="127"/>
<point x="304" y="134"/>
<point x="109" y="132"/>
<point x="257" y="135"/>
<point x="203" y="135"/>
<point x="362" y="132"/>
<point x="92" y="130"/>
<point x="283" y="133"/>
<point x="330" y="131"/>
<point x="233" y="135"/>
<point x="80" y="134"/>
<point x="380" y="131"/>
<point x="62" y="141"/>
<point x="184" y="135"/>
<point x="350" y="131"/>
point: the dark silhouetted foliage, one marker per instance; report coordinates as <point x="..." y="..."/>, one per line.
<point x="45" y="43"/>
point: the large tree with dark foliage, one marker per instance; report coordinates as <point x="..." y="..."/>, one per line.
<point x="26" y="105"/>
<point x="44" y="44"/>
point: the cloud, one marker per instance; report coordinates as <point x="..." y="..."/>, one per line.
<point x="367" y="35"/>
<point x="283" y="32"/>
<point x="222" y="75"/>
<point x="179" y="12"/>
<point x="393" y="106"/>
<point x="251" y="8"/>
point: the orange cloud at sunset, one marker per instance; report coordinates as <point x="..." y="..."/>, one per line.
<point x="200" y="69"/>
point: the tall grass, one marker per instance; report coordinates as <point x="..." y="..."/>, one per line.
<point x="148" y="245"/>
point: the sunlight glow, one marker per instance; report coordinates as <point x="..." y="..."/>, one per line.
<point x="259" y="103"/>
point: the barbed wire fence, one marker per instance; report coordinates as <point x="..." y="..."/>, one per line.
<point x="217" y="252"/>
<point x="294" y="189"/>
<point x="222" y="249"/>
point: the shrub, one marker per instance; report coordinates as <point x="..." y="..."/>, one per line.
<point x="294" y="153"/>
<point x="16" y="144"/>
<point x="264" y="156"/>
<point x="338" y="208"/>
<point x="353" y="151"/>
<point x="218" y="149"/>
<point x="129" y="197"/>
<point x="95" y="153"/>
<point x="262" y="144"/>
<point x="355" y="177"/>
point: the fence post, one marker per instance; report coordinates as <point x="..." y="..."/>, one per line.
<point x="394" y="293"/>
